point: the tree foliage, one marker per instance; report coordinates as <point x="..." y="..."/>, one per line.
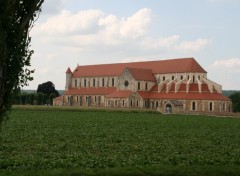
<point x="16" y="20"/>
<point x="236" y="101"/>
<point x="47" y="88"/>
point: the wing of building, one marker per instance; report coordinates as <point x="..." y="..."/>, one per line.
<point x="176" y="85"/>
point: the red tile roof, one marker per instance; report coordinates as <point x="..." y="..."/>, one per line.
<point x="193" y="87"/>
<point x="91" y="91"/>
<point x="142" y="74"/>
<point x="183" y="96"/>
<point x="68" y="70"/>
<point x="120" y="94"/>
<point x="182" y="65"/>
<point x="154" y="88"/>
<point x="58" y="98"/>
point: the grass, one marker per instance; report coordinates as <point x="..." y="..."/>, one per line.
<point x="53" y="141"/>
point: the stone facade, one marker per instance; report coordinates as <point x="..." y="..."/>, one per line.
<point x="155" y="85"/>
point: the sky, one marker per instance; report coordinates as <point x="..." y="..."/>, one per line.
<point x="88" y="32"/>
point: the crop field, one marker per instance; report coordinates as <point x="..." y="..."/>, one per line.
<point x="52" y="141"/>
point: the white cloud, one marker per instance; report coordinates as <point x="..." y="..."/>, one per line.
<point x="225" y="72"/>
<point x="156" y="43"/>
<point x="196" y="45"/>
<point x="92" y="37"/>
<point x="67" y="23"/>
<point x="232" y="64"/>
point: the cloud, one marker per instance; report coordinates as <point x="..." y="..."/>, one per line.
<point x="196" y="45"/>
<point x="156" y="43"/>
<point x="67" y="23"/>
<point x="93" y="36"/>
<point x="232" y="64"/>
<point x="89" y="29"/>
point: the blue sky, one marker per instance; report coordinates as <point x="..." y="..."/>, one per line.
<point x="71" y="32"/>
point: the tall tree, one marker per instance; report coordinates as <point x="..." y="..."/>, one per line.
<point x="16" y="20"/>
<point x="47" y="88"/>
<point x="235" y="101"/>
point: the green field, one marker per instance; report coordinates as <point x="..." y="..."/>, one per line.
<point x="48" y="141"/>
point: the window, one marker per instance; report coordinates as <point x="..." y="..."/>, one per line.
<point x="146" y="86"/>
<point x="156" y="103"/>
<point x="103" y="83"/>
<point x="123" y="102"/>
<point x="112" y="82"/>
<point x="193" y="78"/>
<point x="211" y="106"/>
<point x="75" y="83"/>
<point x="172" y="77"/>
<point x="224" y="107"/>
<point x="194" y="106"/>
<point x="181" y="77"/>
<point x="77" y="98"/>
<point x="131" y="103"/>
<point x="137" y="103"/>
<point x="109" y="102"/>
<point x="85" y="83"/>
<point x="95" y="98"/>
<point x="126" y="83"/>
<point x="116" y="102"/>
<point x="139" y="85"/>
<point x="94" y="82"/>
<point x="163" y="78"/>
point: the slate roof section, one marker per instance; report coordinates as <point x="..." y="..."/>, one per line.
<point x="182" y="65"/>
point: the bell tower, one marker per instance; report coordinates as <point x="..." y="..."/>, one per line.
<point x="68" y="78"/>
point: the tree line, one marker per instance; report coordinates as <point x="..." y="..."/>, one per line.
<point x="235" y="97"/>
<point x="44" y="95"/>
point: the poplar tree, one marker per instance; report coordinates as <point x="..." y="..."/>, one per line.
<point x="16" y="20"/>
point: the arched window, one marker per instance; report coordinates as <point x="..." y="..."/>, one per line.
<point x="181" y="77"/>
<point x="193" y="78"/>
<point x="112" y="82"/>
<point x="194" y="106"/>
<point x="103" y="82"/>
<point x="172" y="77"/>
<point x="77" y="98"/>
<point x="131" y="103"/>
<point x="137" y="103"/>
<point x="94" y="82"/>
<point x="163" y="78"/>
<point x="146" y="86"/>
<point x="123" y="103"/>
<point x="139" y="85"/>
<point x="75" y="82"/>
<point x="211" y="106"/>
<point x="85" y="83"/>
<point x="156" y="104"/>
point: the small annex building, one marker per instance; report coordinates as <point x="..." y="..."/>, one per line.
<point x="176" y="85"/>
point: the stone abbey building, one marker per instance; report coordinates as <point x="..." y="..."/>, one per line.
<point x="177" y="85"/>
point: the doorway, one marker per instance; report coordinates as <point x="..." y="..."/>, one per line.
<point x="168" y="108"/>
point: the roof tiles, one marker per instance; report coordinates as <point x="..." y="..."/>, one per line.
<point x="182" y="65"/>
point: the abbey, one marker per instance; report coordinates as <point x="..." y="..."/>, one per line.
<point x="176" y="85"/>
